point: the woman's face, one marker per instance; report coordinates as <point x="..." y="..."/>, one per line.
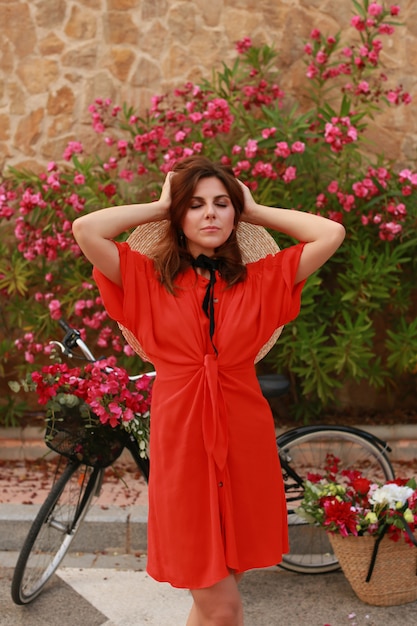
<point x="209" y="219"/>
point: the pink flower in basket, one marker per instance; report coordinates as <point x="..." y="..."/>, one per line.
<point x="101" y="391"/>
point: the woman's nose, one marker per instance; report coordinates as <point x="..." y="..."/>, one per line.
<point x="210" y="210"/>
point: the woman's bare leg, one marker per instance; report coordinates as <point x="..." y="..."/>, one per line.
<point x="193" y="619"/>
<point x="218" y="605"/>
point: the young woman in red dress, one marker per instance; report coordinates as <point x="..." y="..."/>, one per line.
<point x="201" y="313"/>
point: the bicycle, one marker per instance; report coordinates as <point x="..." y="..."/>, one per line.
<point x="301" y="450"/>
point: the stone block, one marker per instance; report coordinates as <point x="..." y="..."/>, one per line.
<point x="82" y="24"/>
<point x="37" y="75"/>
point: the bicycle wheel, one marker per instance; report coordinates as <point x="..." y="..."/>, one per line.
<point x="53" y="530"/>
<point x="305" y="450"/>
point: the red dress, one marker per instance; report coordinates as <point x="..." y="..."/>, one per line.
<point x="216" y="499"/>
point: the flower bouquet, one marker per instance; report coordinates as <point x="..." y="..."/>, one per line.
<point x="91" y="410"/>
<point x="371" y="529"/>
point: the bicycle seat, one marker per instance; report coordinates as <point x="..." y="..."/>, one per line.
<point x="273" y="385"/>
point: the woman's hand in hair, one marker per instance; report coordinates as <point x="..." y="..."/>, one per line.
<point x="165" y="197"/>
<point x="250" y="205"/>
<point x="95" y="231"/>
<point x="321" y="236"/>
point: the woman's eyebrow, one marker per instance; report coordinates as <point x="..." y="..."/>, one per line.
<point x="222" y="195"/>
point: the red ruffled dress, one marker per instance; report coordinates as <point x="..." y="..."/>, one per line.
<point x="216" y="498"/>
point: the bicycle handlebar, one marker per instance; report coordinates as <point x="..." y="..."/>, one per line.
<point x="73" y="339"/>
<point x="64" y="325"/>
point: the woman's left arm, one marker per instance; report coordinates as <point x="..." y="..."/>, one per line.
<point x="321" y="235"/>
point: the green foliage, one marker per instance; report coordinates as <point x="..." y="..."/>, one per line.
<point x="11" y="412"/>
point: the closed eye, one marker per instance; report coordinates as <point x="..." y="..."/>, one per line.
<point x="221" y="201"/>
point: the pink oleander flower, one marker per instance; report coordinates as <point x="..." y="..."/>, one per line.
<point x="241" y="166"/>
<point x="73" y="147"/>
<point x="122" y="146"/>
<point x="243" y="45"/>
<point x="79" y="179"/>
<point x="298" y="147"/>
<point x="375" y="9"/>
<point x="290" y="174"/>
<point x="386" y="29"/>
<point x="251" y="148"/>
<point x="358" y="23"/>
<point x="321" y="201"/>
<point x="55" y="309"/>
<point x="339" y="132"/>
<point x="264" y="170"/>
<point x="321" y="57"/>
<point x="407" y="174"/>
<point x="126" y="175"/>
<point x="7" y="198"/>
<point x="268" y="132"/>
<point x="312" y="71"/>
<point x="282" y="149"/>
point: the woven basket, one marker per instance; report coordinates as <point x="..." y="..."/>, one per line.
<point x="98" y="446"/>
<point x="394" y="578"/>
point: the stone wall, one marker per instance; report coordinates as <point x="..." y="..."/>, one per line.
<point x="57" y="56"/>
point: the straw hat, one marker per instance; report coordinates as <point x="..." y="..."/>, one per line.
<point x="254" y="242"/>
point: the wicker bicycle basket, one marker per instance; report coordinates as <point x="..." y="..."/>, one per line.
<point x="97" y="445"/>
<point x="394" y="577"/>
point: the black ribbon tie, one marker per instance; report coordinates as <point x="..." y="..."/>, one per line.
<point x="207" y="263"/>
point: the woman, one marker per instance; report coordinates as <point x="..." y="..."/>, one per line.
<point x="202" y="316"/>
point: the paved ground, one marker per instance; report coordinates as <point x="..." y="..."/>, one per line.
<point x="115" y="591"/>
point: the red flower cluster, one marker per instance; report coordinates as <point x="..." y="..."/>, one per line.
<point x="340" y="514"/>
<point x="347" y="503"/>
<point x="103" y="386"/>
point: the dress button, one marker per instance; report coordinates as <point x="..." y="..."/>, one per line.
<point x="220" y="484"/>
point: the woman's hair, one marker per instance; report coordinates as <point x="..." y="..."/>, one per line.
<point x="171" y="256"/>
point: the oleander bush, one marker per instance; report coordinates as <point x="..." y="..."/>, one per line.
<point x="358" y="322"/>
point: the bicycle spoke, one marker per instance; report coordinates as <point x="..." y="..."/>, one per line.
<point x="53" y="530"/>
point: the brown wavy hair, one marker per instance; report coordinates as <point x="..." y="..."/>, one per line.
<point x="172" y="256"/>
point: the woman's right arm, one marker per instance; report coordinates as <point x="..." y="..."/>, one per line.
<point x="95" y="231"/>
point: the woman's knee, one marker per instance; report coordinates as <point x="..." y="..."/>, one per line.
<point x="219" y="605"/>
<point x="223" y="614"/>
